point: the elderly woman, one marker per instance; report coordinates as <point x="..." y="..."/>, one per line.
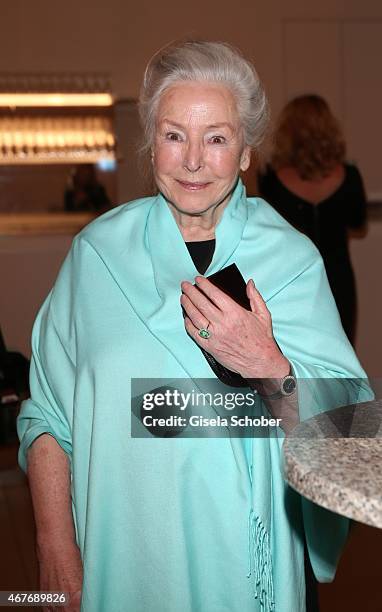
<point x="181" y="523"/>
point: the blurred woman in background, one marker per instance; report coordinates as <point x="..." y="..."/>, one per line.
<point x="85" y="192"/>
<point x="311" y="185"/>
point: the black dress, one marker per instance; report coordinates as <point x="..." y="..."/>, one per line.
<point x="326" y="224"/>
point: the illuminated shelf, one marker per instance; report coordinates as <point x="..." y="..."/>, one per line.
<point x="32" y="100"/>
<point x="48" y="139"/>
<point x="73" y="158"/>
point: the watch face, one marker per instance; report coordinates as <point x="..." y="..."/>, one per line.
<point x="289" y="385"/>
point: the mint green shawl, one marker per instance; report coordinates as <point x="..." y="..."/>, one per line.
<point x="191" y="525"/>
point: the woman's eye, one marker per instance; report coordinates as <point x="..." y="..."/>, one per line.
<point x="217" y="140"/>
<point x="173" y="136"/>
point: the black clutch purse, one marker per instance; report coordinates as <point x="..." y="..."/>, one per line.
<point x="233" y="284"/>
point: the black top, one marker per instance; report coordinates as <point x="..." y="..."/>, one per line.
<point x="201" y="253"/>
<point x="325" y="223"/>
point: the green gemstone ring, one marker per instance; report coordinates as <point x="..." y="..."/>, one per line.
<point x="204" y="333"/>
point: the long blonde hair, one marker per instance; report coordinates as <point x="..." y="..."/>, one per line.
<point x="308" y="137"/>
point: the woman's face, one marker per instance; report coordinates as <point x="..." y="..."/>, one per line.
<point x="199" y="146"/>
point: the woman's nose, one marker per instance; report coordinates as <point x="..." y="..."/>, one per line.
<point x="193" y="157"/>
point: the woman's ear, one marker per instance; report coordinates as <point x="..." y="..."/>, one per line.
<point x="245" y="158"/>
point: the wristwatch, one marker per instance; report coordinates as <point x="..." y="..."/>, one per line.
<point x="287" y="387"/>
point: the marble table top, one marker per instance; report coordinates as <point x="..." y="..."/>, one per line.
<point x="335" y="460"/>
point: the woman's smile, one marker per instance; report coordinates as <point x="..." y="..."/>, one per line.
<point x="192" y="186"/>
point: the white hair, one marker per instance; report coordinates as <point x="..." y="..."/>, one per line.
<point x="214" y="62"/>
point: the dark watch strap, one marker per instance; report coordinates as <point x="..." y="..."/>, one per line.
<point x="281" y="392"/>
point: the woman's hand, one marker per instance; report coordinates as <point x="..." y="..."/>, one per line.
<point x="61" y="571"/>
<point x="241" y="340"/>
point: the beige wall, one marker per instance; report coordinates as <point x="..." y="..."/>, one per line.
<point x="119" y="36"/>
<point x="366" y="257"/>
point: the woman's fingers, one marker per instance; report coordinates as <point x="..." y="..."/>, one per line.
<point x="258" y="306"/>
<point x="215" y="295"/>
<point x="200" y="301"/>
<point x="196" y="317"/>
<point x="210" y="300"/>
<point x="193" y="331"/>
